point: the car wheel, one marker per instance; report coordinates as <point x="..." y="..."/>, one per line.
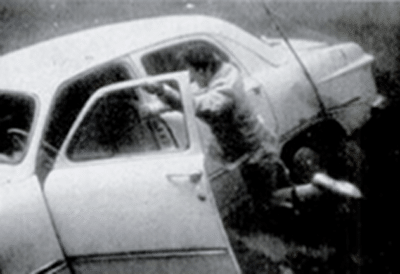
<point x="339" y="215"/>
<point x="343" y="160"/>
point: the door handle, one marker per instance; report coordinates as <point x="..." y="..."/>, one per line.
<point x="193" y="179"/>
<point x="182" y="178"/>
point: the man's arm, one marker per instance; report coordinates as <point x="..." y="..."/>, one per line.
<point x="167" y="94"/>
<point x="214" y="102"/>
<point x="171" y="97"/>
<point x="153" y="108"/>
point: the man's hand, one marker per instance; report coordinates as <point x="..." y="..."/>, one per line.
<point x="153" y="88"/>
<point x="151" y="109"/>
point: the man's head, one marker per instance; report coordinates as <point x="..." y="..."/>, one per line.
<point x="202" y="63"/>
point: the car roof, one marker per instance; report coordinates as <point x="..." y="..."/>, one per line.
<point x="43" y="66"/>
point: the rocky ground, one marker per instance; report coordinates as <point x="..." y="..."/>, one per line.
<point x="356" y="238"/>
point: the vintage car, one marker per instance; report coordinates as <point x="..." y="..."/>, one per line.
<point x="88" y="185"/>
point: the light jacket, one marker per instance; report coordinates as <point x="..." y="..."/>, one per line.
<point x="224" y="106"/>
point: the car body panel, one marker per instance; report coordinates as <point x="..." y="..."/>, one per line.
<point x="86" y="193"/>
<point x="333" y="70"/>
<point x="31" y="240"/>
<point x="185" y="262"/>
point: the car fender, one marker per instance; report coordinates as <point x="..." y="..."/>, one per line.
<point x="28" y="240"/>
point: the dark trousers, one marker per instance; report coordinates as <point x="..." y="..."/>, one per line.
<point x="263" y="172"/>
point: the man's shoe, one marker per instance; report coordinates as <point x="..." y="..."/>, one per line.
<point x="342" y="188"/>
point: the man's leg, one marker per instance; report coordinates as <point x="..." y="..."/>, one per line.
<point x="263" y="173"/>
<point x="269" y="183"/>
<point x="308" y="168"/>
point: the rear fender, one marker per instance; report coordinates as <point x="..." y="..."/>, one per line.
<point x="28" y="240"/>
<point x="317" y="135"/>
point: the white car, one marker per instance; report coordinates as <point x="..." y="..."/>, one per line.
<point x="87" y="185"/>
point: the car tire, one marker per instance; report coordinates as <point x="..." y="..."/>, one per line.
<point x="342" y="160"/>
<point x="340" y="216"/>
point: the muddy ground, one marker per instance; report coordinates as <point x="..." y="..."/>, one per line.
<point x="356" y="239"/>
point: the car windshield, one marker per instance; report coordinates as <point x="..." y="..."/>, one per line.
<point x="16" y="115"/>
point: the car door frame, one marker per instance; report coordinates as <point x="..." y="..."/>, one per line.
<point x="62" y="161"/>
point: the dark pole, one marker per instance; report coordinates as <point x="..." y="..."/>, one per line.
<point x="303" y="67"/>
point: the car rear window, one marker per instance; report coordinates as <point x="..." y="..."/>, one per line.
<point x="16" y="116"/>
<point x="167" y="59"/>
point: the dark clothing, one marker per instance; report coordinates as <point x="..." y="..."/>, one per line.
<point x="263" y="172"/>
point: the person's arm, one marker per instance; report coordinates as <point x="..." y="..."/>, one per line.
<point x="153" y="108"/>
<point x="171" y="97"/>
<point x="214" y="102"/>
<point x="167" y="95"/>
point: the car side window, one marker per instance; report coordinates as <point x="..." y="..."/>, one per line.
<point x="114" y="126"/>
<point x="72" y="97"/>
<point x="68" y="104"/>
<point x="167" y="59"/>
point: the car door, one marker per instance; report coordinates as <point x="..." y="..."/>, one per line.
<point x="128" y="194"/>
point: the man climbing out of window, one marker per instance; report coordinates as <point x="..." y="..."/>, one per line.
<point x="224" y="107"/>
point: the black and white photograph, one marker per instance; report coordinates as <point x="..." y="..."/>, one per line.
<point x="199" y="136"/>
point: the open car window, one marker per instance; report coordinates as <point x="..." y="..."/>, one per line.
<point x="115" y="126"/>
<point x="166" y="59"/>
<point x="69" y="101"/>
<point x="16" y="116"/>
<point x="72" y="97"/>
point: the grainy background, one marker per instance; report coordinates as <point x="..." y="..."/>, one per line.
<point x="375" y="26"/>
